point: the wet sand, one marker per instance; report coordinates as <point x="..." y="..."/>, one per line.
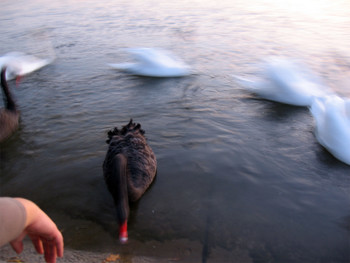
<point x="154" y="251"/>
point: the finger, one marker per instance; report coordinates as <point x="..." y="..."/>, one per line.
<point x="50" y="251"/>
<point x="38" y="244"/>
<point x="17" y="246"/>
<point x="59" y="245"/>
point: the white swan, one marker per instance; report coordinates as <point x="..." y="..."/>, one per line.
<point x="332" y="119"/>
<point x="20" y="64"/>
<point x="287" y="82"/>
<point x="153" y="62"/>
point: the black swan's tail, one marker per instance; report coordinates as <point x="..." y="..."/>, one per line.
<point x="130" y="127"/>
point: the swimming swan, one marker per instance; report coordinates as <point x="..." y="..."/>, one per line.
<point x="20" y="64"/>
<point x="332" y="119"/>
<point x="153" y="62"/>
<point x="129" y="169"/>
<point x="287" y="82"/>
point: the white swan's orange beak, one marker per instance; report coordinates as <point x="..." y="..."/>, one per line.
<point x="123" y="233"/>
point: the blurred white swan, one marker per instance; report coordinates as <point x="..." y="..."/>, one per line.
<point x="20" y="64"/>
<point x="332" y="119"/>
<point x="153" y="62"/>
<point x="287" y="82"/>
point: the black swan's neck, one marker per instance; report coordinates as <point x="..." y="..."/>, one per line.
<point x="9" y="102"/>
<point x="117" y="184"/>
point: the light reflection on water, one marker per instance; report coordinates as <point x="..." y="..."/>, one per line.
<point x="247" y="172"/>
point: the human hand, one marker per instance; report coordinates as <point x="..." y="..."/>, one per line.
<point x="43" y="232"/>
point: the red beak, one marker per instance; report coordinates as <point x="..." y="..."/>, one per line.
<point x="123" y="232"/>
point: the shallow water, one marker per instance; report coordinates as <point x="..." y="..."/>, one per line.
<point x="234" y="171"/>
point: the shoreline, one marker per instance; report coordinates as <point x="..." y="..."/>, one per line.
<point x="29" y="255"/>
<point x="180" y="250"/>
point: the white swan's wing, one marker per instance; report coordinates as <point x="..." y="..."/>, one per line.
<point x="295" y="78"/>
<point x="285" y="81"/>
<point x="270" y="90"/>
<point x="155" y="57"/>
<point x="146" y="56"/>
<point x="30" y="64"/>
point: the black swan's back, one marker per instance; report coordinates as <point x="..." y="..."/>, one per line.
<point x="9" y="116"/>
<point x="141" y="161"/>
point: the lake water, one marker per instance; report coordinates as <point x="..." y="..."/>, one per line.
<point x="235" y="172"/>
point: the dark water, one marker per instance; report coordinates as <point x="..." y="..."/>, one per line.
<point x="235" y="172"/>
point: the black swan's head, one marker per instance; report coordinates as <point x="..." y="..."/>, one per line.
<point x="130" y="127"/>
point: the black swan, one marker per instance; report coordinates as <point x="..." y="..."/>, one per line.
<point x="9" y="115"/>
<point x="129" y="169"/>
